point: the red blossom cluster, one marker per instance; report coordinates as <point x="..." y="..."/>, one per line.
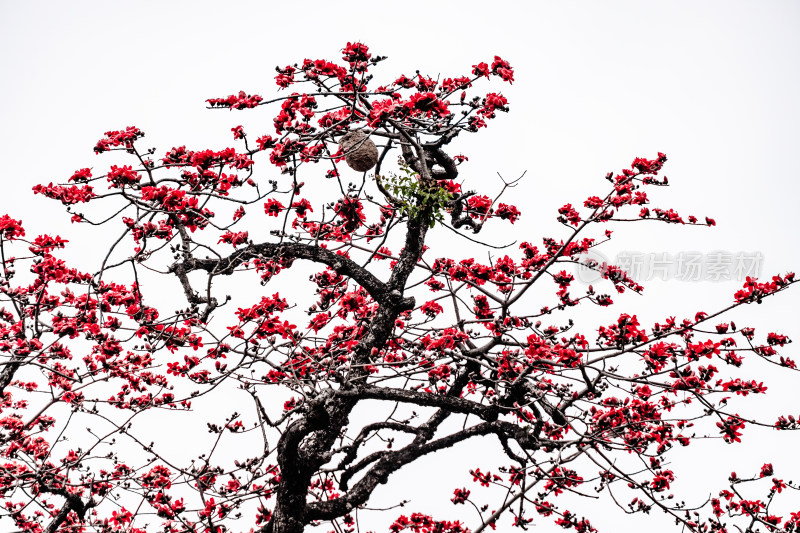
<point x="124" y="138"/>
<point x="67" y="195"/>
<point x="236" y="101"/>
<point x="754" y="291"/>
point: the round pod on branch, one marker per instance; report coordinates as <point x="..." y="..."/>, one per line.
<point x="360" y="152"/>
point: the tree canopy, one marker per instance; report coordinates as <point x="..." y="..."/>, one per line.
<point x="320" y="346"/>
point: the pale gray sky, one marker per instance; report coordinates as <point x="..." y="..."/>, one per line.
<point x="714" y="85"/>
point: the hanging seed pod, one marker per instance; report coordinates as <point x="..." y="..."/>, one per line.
<point x="360" y="152"/>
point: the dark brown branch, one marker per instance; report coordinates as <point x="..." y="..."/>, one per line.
<point x="393" y="461"/>
<point x="452" y="404"/>
<point x="385" y="466"/>
<point x="290" y="251"/>
<point x="72" y="503"/>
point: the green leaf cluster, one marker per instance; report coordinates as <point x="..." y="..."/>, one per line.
<point x="417" y="198"/>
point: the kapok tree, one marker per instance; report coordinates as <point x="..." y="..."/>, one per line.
<point x="273" y="371"/>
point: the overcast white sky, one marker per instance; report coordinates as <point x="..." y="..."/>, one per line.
<point x="714" y="85"/>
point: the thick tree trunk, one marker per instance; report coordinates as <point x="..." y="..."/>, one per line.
<point x="284" y="523"/>
<point x="303" y="448"/>
<point x="301" y="451"/>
